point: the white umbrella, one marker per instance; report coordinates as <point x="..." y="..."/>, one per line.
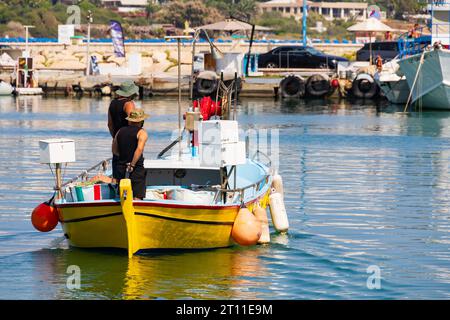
<point x="227" y="25"/>
<point x="370" y="25"/>
<point x="232" y="25"/>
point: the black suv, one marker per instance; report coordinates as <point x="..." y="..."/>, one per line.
<point x="388" y="50"/>
<point x="297" y="57"/>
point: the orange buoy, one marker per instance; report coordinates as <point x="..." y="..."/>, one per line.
<point x="261" y="215"/>
<point x="44" y="217"/>
<point x="246" y="228"/>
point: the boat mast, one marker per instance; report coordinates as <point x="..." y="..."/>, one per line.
<point x="179" y="38"/>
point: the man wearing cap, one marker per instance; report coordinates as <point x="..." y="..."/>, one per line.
<point x="128" y="147"/>
<point x="119" y="110"/>
<point x="121" y="106"/>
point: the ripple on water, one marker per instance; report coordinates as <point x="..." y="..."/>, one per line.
<point x="364" y="185"/>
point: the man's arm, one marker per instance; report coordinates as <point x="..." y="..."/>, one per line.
<point x="142" y="139"/>
<point x="115" y="147"/>
<point x="110" y="124"/>
<point x="128" y="107"/>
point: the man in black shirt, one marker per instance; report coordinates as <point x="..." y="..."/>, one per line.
<point x="128" y="147"/>
<point x="121" y="106"/>
<point x="119" y="109"/>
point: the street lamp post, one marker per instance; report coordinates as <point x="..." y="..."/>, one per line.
<point x="89" y="20"/>
<point x="26" y="40"/>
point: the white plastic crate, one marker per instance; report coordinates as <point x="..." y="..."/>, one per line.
<point x="57" y="150"/>
<point x="218" y="132"/>
<point x="221" y="155"/>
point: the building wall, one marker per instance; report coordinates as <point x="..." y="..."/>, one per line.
<point x="330" y="10"/>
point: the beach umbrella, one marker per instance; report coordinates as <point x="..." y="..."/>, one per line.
<point x="227" y="25"/>
<point x="232" y="25"/>
<point x="370" y="25"/>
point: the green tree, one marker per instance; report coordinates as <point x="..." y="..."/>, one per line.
<point x="194" y="11"/>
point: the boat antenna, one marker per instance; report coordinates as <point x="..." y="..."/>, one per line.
<point x="178" y="39"/>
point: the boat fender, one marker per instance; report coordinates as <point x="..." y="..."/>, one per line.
<point x="206" y="83"/>
<point x="364" y="86"/>
<point x="318" y="85"/>
<point x="292" y="87"/>
<point x="45" y="217"/>
<point x="246" y="228"/>
<point x="261" y="214"/>
<point x="278" y="212"/>
<point x="277" y="183"/>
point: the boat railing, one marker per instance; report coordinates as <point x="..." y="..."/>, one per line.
<point x="258" y="153"/>
<point x="224" y="192"/>
<point x="84" y="175"/>
<point x="409" y="45"/>
<point x="219" y="191"/>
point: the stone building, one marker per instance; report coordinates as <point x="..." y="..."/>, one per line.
<point x="330" y="10"/>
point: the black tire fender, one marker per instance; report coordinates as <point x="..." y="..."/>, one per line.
<point x="318" y="85"/>
<point x="364" y="86"/>
<point x="292" y="87"/>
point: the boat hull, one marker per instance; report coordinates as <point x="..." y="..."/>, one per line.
<point x="152" y="226"/>
<point x="432" y="87"/>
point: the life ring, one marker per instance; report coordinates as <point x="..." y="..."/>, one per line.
<point x="292" y="87"/>
<point x="318" y="86"/>
<point x="364" y="86"/>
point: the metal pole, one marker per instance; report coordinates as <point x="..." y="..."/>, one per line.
<point x="26" y="39"/>
<point x="304" y="23"/>
<point x="88" y="62"/>
<point x="179" y="96"/>
<point x="27" y="28"/>
<point x="191" y="81"/>
<point x="58" y="181"/>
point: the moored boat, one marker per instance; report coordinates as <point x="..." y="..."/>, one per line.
<point x="186" y="209"/>
<point x="427" y="72"/>
<point x="393" y="86"/>
<point x="5" y="88"/>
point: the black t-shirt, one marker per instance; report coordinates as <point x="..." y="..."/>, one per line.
<point x="117" y="114"/>
<point x="127" y="143"/>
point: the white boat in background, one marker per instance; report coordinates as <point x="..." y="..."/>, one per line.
<point x="430" y="85"/>
<point x="29" y="91"/>
<point x="428" y="72"/>
<point x="6" y="89"/>
<point x="392" y="83"/>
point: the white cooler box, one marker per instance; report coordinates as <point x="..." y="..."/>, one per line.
<point x="221" y="155"/>
<point x="218" y="132"/>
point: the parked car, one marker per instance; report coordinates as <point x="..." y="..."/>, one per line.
<point x="388" y="50"/>
<point x="297" y="57"/>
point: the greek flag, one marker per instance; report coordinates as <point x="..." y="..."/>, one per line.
<point x="117" y="38"/>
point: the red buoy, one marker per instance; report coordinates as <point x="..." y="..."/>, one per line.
<point x="44" y="217"/>
<point x="335" y="83"/>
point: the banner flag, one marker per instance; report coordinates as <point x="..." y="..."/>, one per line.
<point x="117" y="38"/>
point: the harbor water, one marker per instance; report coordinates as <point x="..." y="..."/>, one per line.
<point x="366" y="191"/>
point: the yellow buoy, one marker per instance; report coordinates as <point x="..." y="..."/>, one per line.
<point x="278" y="211"/>
<point x="261" y="215"/>
<point x="246" y="228"/>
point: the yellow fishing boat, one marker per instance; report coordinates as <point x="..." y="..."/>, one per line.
<point x="172" y="216"/>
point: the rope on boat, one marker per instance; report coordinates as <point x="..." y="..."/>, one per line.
<point x="422" y="57"/>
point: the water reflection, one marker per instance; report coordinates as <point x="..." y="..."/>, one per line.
<point x="211" y="274"/>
